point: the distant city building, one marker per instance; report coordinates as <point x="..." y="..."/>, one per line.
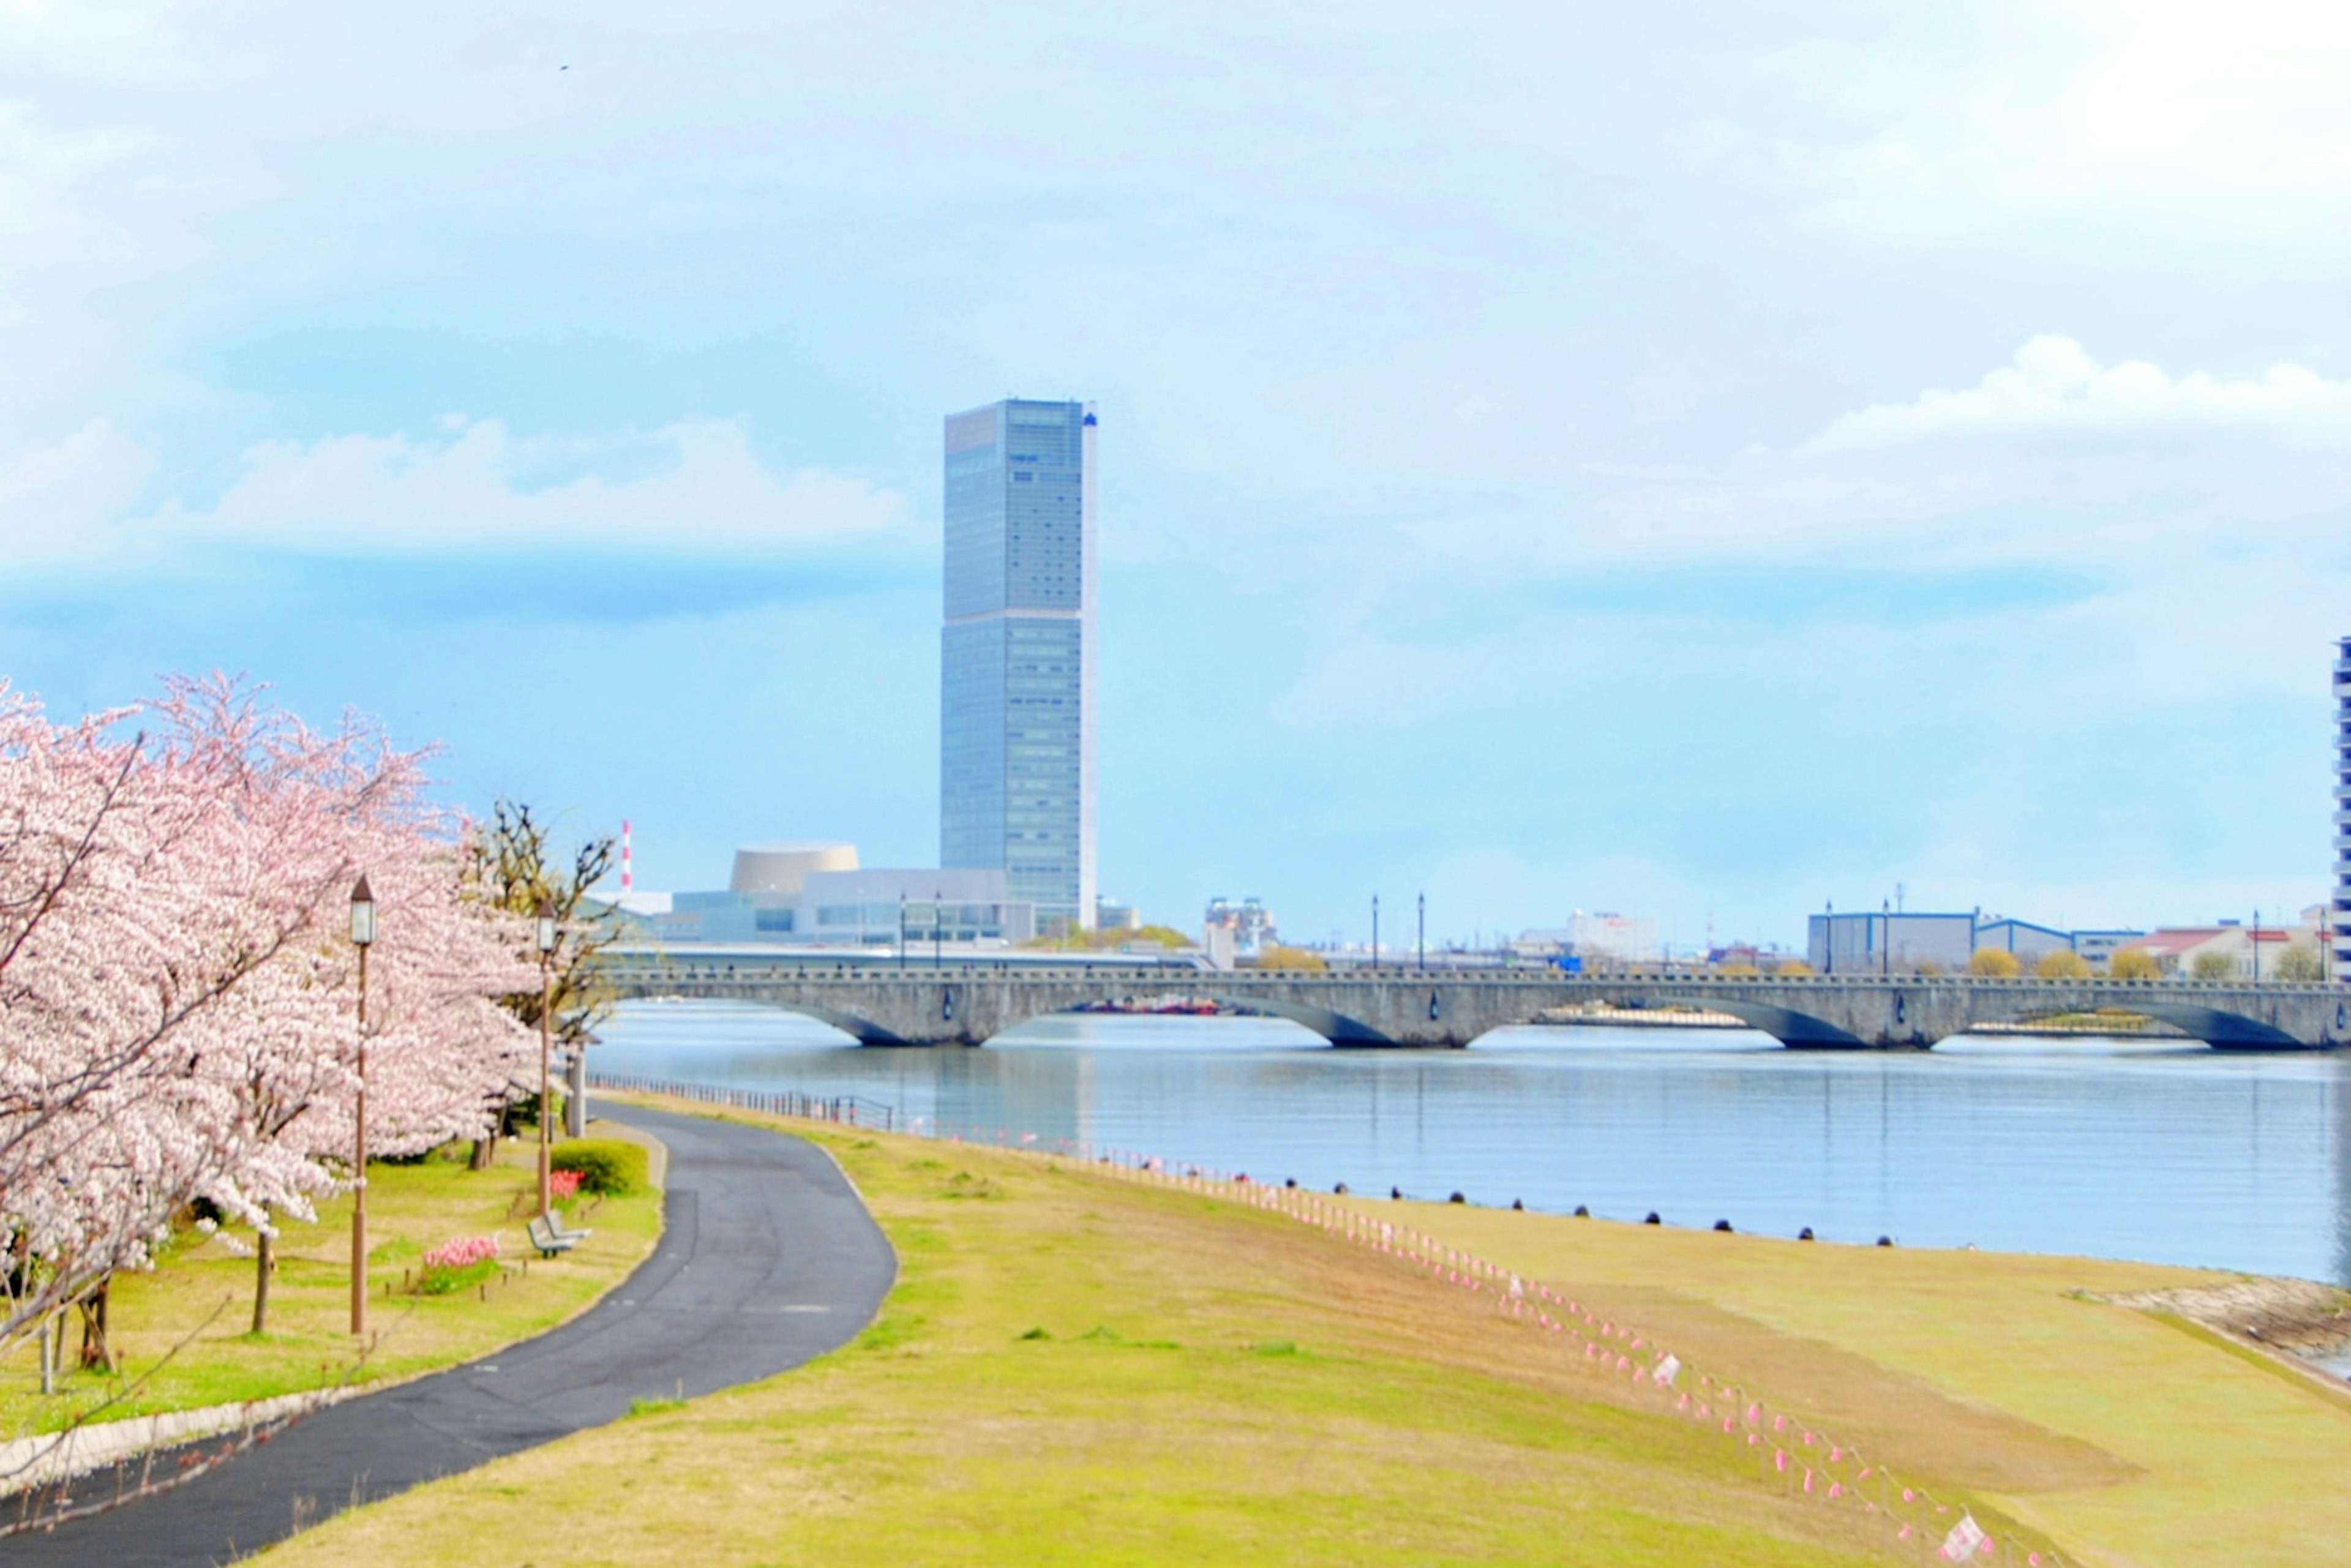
<point x="2341" y="923"/>
<point x="2098" y="948"/>
<point x="815" y="894"/>
<point x="2230" y="949"/>
<point x="2027" y="942"/>
<point x="1111" y="915"/>
<point x="1874" y="942"/>
<point x="1017" y="654"/>
<point x="1878" y="941"/>
<point x="1602" y="937"/>
<point x="1248" y="922"/>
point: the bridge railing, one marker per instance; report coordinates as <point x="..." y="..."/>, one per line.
<point x="850" y="1110"/>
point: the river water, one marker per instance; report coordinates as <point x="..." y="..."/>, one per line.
<point x="2163" y="1151"/>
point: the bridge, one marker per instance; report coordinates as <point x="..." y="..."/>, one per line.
<point x="950" y="1004"/>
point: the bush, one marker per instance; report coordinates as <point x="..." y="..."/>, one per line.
<point x="606" y="1166"/>
<point x="1993" y="963"/>
<point x="2302" y="963"/>
<point x="2062" y="964"/>
<point x="455" y="1265"/>
<point x="2134" y="964"/>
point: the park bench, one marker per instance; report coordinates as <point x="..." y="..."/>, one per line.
<point x="550" y="1238"/>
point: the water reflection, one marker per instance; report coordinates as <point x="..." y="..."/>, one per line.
<point x="2128" y="1148"/>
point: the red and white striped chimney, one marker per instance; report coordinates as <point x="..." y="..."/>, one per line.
<point x="628" y="871"/>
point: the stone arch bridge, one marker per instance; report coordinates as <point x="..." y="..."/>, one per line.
<point x="956" y="1005"/>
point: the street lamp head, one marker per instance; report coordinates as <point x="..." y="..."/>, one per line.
<point x="545" y="926"/>
<point x="362" y="914"/>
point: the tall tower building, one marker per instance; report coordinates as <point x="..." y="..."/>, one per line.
<point x="2340" y="912"/>
<point x="1017" y="665"/>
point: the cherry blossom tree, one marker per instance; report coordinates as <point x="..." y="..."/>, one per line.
<point x="177" y="994"/>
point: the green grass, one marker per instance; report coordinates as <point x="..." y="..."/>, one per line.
<point x="1084" y="1372"/>
<point x="196" y="1306"/>
<point x="1080" y="1371"/>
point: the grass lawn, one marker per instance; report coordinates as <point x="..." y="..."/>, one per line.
<point x="1074" y="1369"/>
<point x="201" y="1288"/>
<point x="2129" y="1440"/>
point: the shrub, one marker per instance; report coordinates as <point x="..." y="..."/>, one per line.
<point x="2062" y="964"/>
<point x="2212" y="966"/>
<point x="562" y="1186"/>
<point x="2134" y="964"/>
<point x="2302" y="963"/>
<point x="454" y="1265"/>
<point x="1993" y="963"/>
<point x="606" y="1166"/>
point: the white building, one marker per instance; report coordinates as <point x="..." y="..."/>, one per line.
<point x="814" y="893"/>
<point x="1603" y="936"/>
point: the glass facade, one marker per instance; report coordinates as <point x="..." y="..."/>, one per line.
<point x="2340" y="913"/>
<point x="1016" y="714"/>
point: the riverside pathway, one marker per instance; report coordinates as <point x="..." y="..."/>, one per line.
<point x="767" y="1257"/>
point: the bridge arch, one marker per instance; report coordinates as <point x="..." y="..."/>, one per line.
<point x="1336" y="1027"/>
<point x="2217" y="1026"/>
<point x="864" y="1030"/>
<point x="1797" y="1030"/>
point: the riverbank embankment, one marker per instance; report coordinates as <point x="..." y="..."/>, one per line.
<point x="1145" y="1371"/>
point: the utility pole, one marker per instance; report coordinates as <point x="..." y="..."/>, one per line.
<point x="1421" y="932"/>
<point x="1375" y="933"/>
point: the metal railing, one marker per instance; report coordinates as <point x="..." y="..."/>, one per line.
<point x="850" y="1110"/>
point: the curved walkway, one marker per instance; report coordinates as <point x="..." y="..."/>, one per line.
<point x="767" y="1257"/>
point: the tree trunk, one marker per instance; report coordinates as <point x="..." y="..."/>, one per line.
<point x="486" y="1154"/>
<point x="95" y="1350"/>
<point x="264" y="1266"/>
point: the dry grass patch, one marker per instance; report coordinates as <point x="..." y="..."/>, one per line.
<point x="2002" y="1374"/>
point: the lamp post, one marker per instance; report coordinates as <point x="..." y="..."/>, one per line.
<point x="1828" y="940"/>
<point x="1885" y="938"/>
<point x="1420" y="929"/>
<point x="362" y="938"/>
<point x="546" y="942"/>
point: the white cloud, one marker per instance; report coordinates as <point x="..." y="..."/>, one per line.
<point x="2054" y="386"/>
<point x="2160" y="111"/>
<point x="60" y="499"/>
<point x="695" y="486"/>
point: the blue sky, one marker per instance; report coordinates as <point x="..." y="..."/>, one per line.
<point x="1698" y="462"/>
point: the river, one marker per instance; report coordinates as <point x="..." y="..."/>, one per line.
<point x="2162" y="1151"/>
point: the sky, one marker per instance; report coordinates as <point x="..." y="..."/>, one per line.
<point x="1697" y="461"/>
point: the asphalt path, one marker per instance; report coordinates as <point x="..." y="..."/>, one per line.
<point x="766" y="1258"/>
